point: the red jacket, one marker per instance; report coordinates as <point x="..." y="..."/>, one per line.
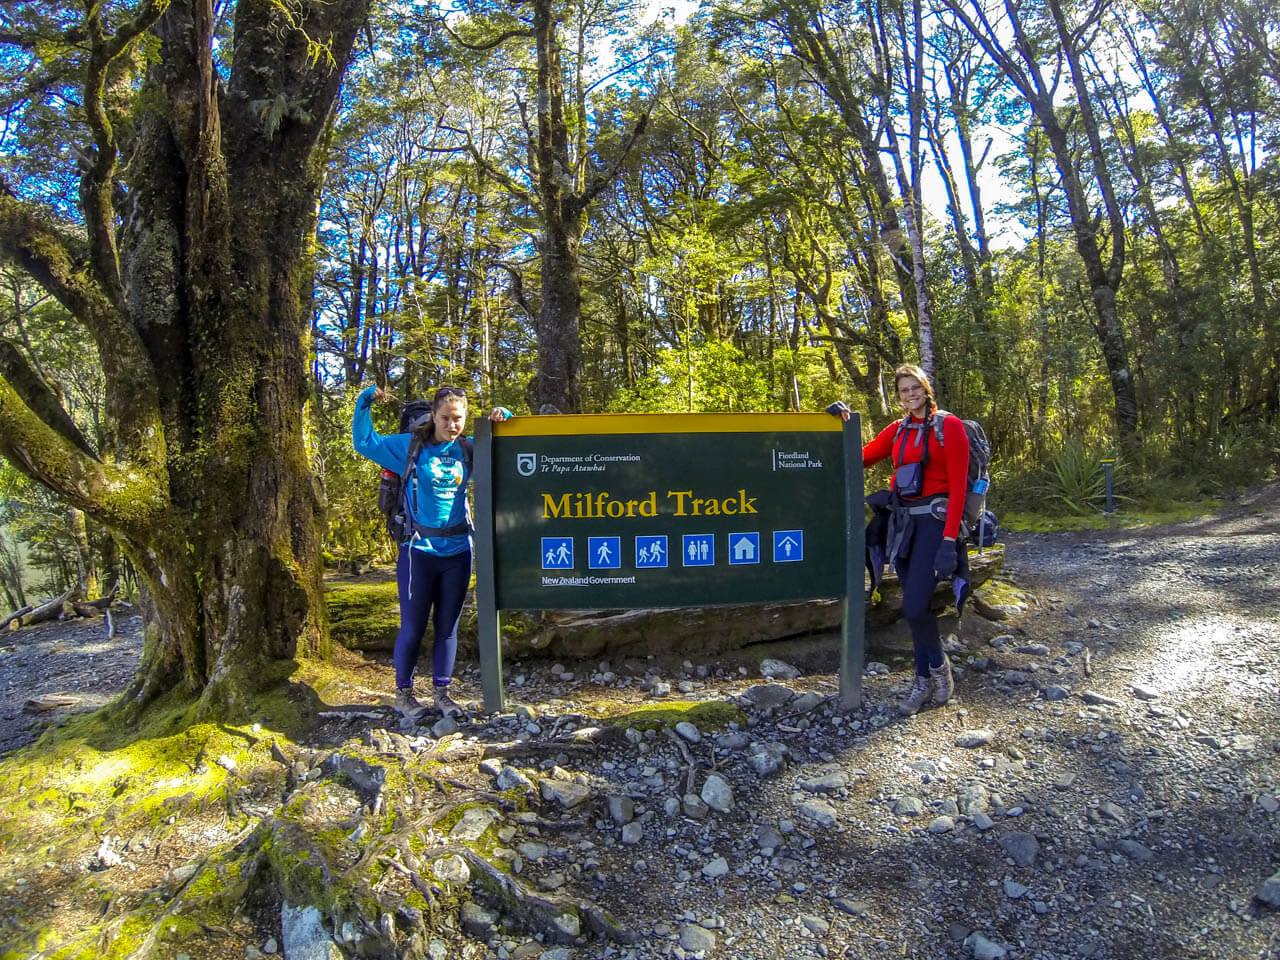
<point x="947" y="471"/>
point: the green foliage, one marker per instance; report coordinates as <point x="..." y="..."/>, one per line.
<point x="355" y="528"/>
<point x="707" y="377"/>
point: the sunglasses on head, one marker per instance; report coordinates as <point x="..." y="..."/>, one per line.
<point x="448" y="392"/>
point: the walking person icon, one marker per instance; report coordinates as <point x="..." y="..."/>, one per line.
<point x="602" y="555"/>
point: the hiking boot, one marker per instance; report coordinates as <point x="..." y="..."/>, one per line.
<point x="447" y="706"/>
<point x="916" y="696"/>
<point x="943" y="685"/>
<point x="407" y="704"/>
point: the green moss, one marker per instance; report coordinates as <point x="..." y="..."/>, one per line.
<point x="363" y="616"/>
<point x="704" y="714"/>
<point x="177" y="928"/>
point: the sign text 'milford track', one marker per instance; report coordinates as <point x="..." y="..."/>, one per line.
<point x="682" y="503"/>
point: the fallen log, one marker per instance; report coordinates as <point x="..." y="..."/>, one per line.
<point x="712" y="630"/>
<point x="49" y="610"/>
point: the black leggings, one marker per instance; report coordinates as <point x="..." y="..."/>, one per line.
<point x="915" y="573"/>
<point x="429" y="581"/>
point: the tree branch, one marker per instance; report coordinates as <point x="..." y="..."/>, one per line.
<point x="55" y="259"/>
<point x="512" y="187"/>
<point x="124" y="498"/>
<point x="36" y="393"/>
<point x="602" y="180"/>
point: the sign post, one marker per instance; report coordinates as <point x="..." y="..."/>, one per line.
<point x="636" y="510"/>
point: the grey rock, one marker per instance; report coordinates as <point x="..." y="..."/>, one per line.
<point x="1134" y="850"/>
<point x="697" y="938"/>
<point x="908" y="807"/>
<point x="476" y="920"/>
<point x="1056" y="692"/>
<point x="717" y="793"/>
<point x="1021" y="847"/>
<point x="767" y="696"/>
<point x="1093" y="698"/>
<point x="443" y="727"/>
<point x="451" y="869"/>
<point x="983" y="822"/>
<point x="974" y="738"/>
<point x="1145" y="693"/>
<point x="855" y="908"/>
<point x="568" y="924"/>
<point x="689" y="731"/>
<point x="766" y="759"/>
<point x="694" y="806"/>
<point x="303" y="934"/>
<point x="815" y="924"/>
<point x="733" y="740"/>
<point x="565" y="792"/>
<point x="807" y="702"/>
<point x="622" y="809"/>
<point x="984" y="949"/>
<point x="473" y="823"/>
<point x="942" y="824"/>
<point x="533" y="849"/>
<point x="632" y="833"/>
<point x="768" y="838"/>
<point x="819" y="811"/>
<point x="778" y="669"/>
<point x="1269" y="892"/>
<point x="974" y="799"/>
<point x="828" y="782"/>
<point x="715" y="868"/>
<point x="1014" y="890"/>
<point x="1268" y="803"/>
<point x="1032" y="649"/>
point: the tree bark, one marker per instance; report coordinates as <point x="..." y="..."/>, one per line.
<point x="205" y="479"/>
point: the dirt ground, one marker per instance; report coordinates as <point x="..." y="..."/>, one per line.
<point x="1106" y="783"/>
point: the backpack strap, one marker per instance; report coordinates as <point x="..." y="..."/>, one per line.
<point x="421" y="532"/>
<point x="905" y="425"/>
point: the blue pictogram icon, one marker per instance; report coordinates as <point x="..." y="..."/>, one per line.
<point x="744" y="548"/>
<point x="651" y="552"/>
<point x="557" y="553"/>
<point x="699" y="550"/>
<point x="788" y="546"/>
<point x="604" y="553"/>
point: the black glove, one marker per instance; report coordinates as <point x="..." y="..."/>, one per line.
<point x="839" y="409"/>
<point x="945" y="560"/>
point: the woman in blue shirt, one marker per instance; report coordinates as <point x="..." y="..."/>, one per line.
<point x="433" y="567"/>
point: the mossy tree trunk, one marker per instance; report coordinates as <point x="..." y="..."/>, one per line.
<point x="192" y="294"/>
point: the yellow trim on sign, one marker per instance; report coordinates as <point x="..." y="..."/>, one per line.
<point x="588" y="424"/>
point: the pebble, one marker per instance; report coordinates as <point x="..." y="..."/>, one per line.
<point x="815" y="925"/>
<point x="1014" y="890"/>
<point x="632" y="833"/>
<point x="828" y="782"/>
<point x="1145" y="693"/>
<point x="971" y="739"/>
<point x="943" y="824"/>
<point x="1269" y="803"/>
<point x="1056" y="692"/>
<point x="983" y="822"/>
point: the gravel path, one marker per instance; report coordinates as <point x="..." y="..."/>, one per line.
<point x="1106" y="784"/>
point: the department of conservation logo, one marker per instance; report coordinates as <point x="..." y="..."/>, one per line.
<point x="526" y="464"/>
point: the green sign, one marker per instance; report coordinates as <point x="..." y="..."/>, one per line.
<point x="624" y="511"/>
<point x="632" y="510"/>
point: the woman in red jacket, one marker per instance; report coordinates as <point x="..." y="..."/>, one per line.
<point x="928" y="499"/>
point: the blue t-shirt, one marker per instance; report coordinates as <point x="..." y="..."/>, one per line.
<point x="437" y="492"/>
